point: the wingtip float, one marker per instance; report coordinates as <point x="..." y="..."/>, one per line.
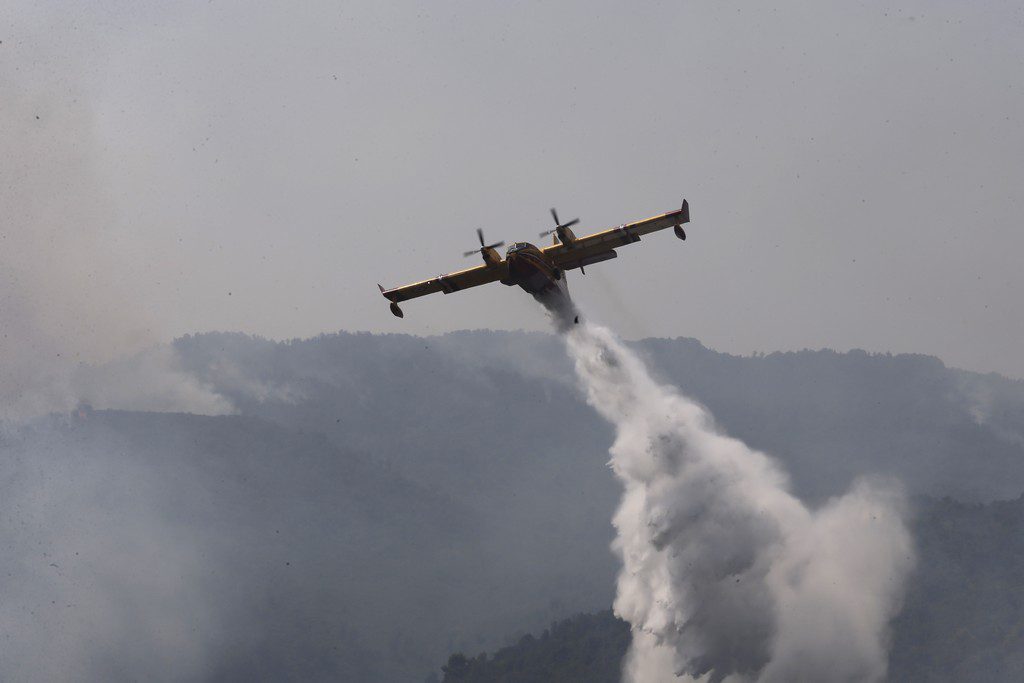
<point x="540" y="270"/>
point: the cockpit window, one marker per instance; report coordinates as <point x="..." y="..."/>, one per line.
<point x="516" y="246"/>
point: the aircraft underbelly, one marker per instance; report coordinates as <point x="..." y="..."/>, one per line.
<point x="552" y="293"/>
<point x="531" y="276"/>
<point x="536" y="282"/>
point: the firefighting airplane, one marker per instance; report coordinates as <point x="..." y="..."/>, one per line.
<point x="540" y="271"/>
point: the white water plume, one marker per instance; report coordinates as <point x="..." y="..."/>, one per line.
<point x="726" y="575"/>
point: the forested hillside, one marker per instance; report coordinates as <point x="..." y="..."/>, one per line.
<point x="380" y="502"/>
<point x="827" y="416"/>
<point x="963" y="618"/>
<point x="586" y="648"/>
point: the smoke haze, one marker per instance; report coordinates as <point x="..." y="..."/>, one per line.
<point x="724" y="571"/>
<point x="65" y="253"/>
<point x="171" y="168"/>
<point x="101" y="580"/>
<point x="311" y="537"/>
<point x="295" y="157"/>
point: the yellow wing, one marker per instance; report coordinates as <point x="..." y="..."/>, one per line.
<point x="452" y="282"/>
<point x="600" y="245"/>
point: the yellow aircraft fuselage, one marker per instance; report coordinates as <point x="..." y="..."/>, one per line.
<point x="531" y="270"/>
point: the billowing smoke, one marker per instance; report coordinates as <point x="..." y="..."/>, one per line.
<point x="65" y="260"/>
<point x="101" y="582"/>
<point x="725" y="573"/>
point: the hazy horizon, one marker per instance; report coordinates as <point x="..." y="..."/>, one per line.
<point x="364" y="507"/>
<point x="852" y="170"/>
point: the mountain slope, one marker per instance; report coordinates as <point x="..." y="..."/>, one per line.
<point x="183" y="546"/>
<point x="381" y="501"/>
<point x="827" y="416"/>
<point x="963" y="618"/>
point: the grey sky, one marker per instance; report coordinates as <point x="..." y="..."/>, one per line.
<point x="853" y="169"/>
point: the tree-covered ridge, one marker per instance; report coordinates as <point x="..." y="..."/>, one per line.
<point x="827" y="416"/>
<point x="382" y="501"/>
<point x="586" y="648"/>
<point x="963" y="615"/>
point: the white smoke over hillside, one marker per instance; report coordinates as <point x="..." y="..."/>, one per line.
<point x="65" y="257"/>
<point x="102" y="580"/>
<point x="725" y="573"/>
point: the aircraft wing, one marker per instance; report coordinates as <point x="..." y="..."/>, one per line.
<point x="452" y="282"/>
<point x="600" y="246"/>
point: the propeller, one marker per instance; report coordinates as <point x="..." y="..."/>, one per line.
<point x="554" y="214"/>
<point x="480" y="236"/>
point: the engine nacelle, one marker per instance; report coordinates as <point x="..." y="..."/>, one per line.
<point x="491" y="256"/>
<point x="396" y="310"/>
<point x="680" y="233"/>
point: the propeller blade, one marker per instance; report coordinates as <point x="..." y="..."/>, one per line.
<point x="483" y="245"/>
<point x="545" y="233"/>
<point x="559" y="224"/>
